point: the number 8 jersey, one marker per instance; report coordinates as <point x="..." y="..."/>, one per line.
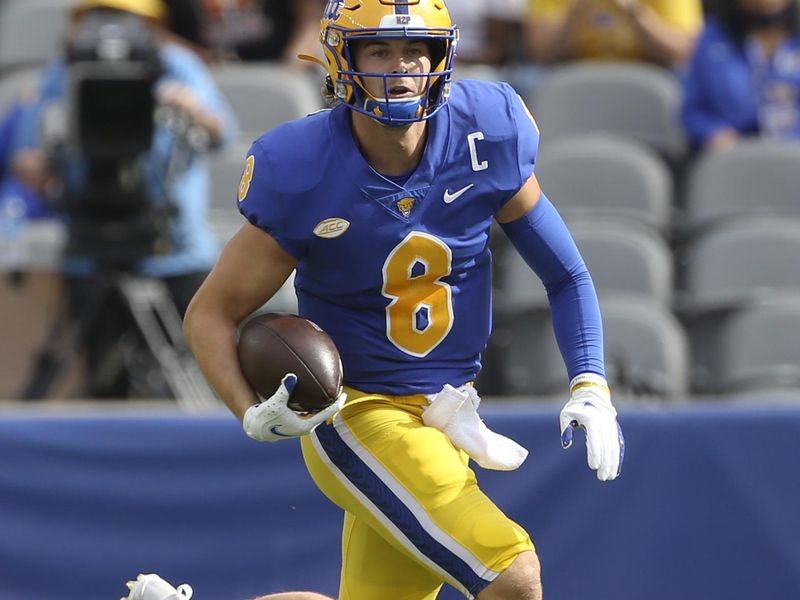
<point x="397" y="270"/>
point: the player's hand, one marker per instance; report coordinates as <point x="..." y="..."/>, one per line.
<point x="203" y="127"/>
<point x="590" y="409"/>
<point x="723" y="139"/>
<point x="179" y="95"/>
<point x="272" y="420"/>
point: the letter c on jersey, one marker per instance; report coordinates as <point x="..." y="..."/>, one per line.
<point x="331" y="228"/>
<point x="473" y="152"/>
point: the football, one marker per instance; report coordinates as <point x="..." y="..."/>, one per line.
<point x="272" y="345"/>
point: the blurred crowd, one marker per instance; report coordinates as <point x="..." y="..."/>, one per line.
<point x="736" y="64"/>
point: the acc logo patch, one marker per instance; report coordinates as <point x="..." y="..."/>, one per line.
<point x="331" y="228"/>
<point x="405" y="206"/>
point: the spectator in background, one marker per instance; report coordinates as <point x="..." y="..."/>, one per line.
<point x="490" y="30"/>
<point x="658" y="31"/>
<point x="270" y="30"/>
<point x="186" y="87"/>
<point x="744" y="77"/>
<point x="12" y="186"/>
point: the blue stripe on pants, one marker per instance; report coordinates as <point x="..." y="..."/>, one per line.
<point x="363" y="478"/>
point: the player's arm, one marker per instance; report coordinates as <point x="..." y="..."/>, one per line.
<point x="250" y="270"/>
<point x="541" y="237"/>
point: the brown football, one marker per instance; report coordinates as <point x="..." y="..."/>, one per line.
<point x="272" y="345"/>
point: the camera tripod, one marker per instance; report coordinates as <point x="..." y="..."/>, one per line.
<point x="158" y="325"/>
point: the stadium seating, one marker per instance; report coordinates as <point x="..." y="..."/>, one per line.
<point x="603" y="177"/>
<point x="634" y="100"/>
<point x="31" y="31"/>
<point x="627" y="259"/>
<point x="755" y="177"/>
<point x="646" y="348"/>
<point x="264" y="95"/>
<point x="740" y="261"/>
<point x="759" y="346"/>
<point x="647" y="352"/>
<point x="727" y="269"/>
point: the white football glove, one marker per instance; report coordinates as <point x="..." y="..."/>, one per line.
<point x="272" y="420"/>
<point x="455" y="413"/>
<point x="152" y="587"/>
<point x="590" y="408"/>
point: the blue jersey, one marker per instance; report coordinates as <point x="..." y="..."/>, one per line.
<point x="397" y="273"/>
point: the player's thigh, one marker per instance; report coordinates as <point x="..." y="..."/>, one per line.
<point x="374" y="569"/>
<point x="411" y="485"/>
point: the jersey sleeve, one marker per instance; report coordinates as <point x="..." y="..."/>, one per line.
<point x="527" y="137"/>
<point x="262" y="204"/>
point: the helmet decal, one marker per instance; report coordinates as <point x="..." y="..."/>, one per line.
<point x="333" y="9"/>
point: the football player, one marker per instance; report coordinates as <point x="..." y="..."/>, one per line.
<point x="382" y="207"/>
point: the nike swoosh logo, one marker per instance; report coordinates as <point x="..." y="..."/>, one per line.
<point x="274" y="431"/>
<point x="448" y="197"/>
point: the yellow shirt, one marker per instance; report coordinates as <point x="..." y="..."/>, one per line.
<point x="607" y="33"/>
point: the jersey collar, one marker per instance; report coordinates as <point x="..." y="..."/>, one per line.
<point x="433" y="157"/>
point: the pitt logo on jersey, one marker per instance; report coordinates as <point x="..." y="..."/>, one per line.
<point x="405" y="206"/>
<point x="331" y="228"/>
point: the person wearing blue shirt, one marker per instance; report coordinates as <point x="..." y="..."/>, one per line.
<point x="744" y="76"/>
<point x="382" y="207"/>
<point x="12" y="187"/>
<point x="186" y="86"/>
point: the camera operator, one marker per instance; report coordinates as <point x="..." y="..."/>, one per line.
<point x="165" y="164"/>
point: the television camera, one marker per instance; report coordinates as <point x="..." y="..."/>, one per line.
<point x="117" y="206"/>
<point x="114" y="216"/>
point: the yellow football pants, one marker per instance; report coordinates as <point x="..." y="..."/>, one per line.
<point x="415" y="517"/>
